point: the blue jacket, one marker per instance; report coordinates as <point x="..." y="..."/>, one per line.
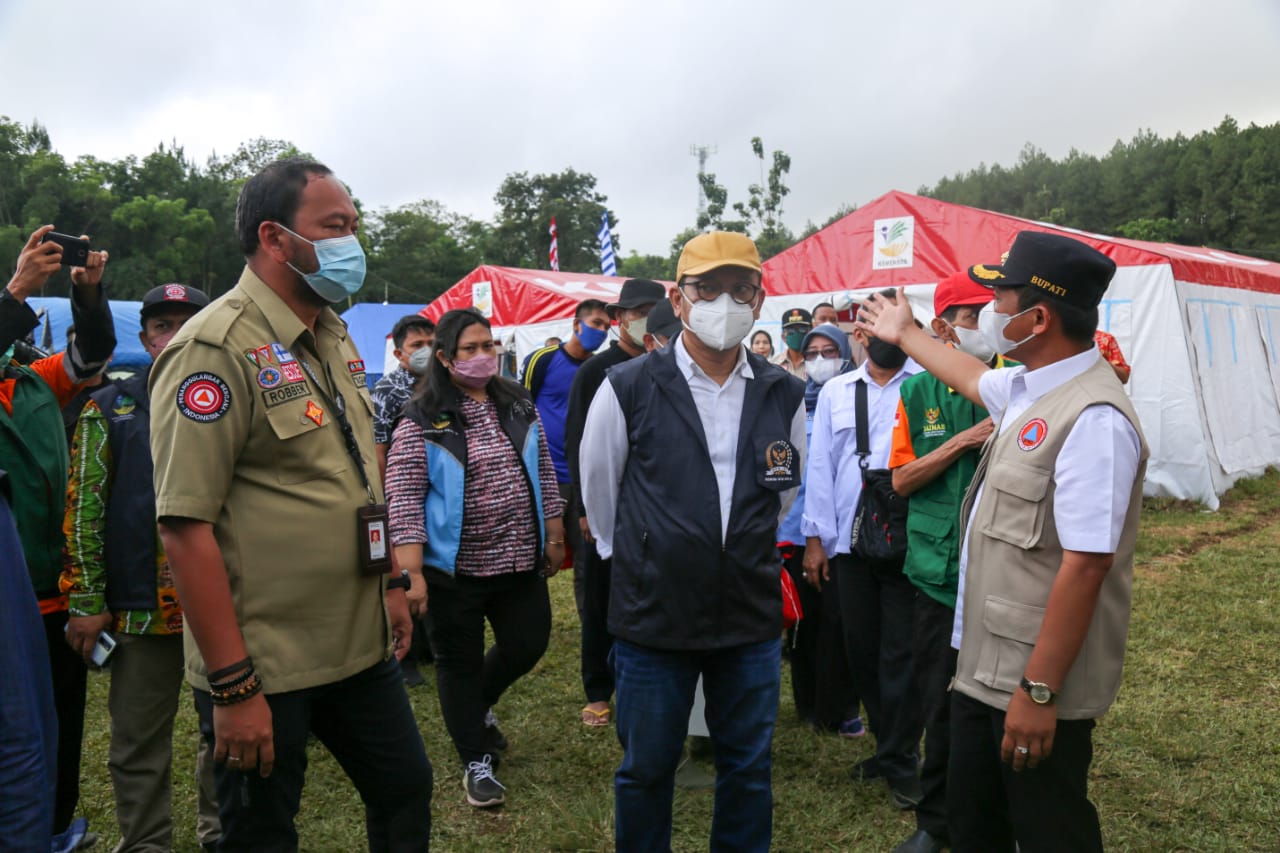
<point x="446" y="443"/>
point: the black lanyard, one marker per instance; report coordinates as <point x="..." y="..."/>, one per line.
<point x="339" y="407"/>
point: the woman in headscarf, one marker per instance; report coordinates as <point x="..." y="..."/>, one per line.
<point x="820" y="680"/>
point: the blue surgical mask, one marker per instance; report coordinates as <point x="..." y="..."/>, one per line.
<point x="341" y="272"/>
<point x="591" y="338"/>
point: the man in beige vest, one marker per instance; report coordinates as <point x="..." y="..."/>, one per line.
<point x="1047" y="552"/>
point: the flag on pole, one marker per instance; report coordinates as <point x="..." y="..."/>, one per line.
<point x="555" y="253"/>
<point x="607" y="263"/>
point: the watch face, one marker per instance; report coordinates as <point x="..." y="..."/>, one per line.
<point x="1040" y="694"/>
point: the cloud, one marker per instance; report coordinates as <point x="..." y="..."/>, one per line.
<point x="410" y="101"/>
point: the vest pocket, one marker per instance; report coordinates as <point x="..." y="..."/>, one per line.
<point x="1005" y="646"/>
<point x="1020" y="507"/>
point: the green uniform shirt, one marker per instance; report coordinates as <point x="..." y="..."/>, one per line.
<point x="930" y="414"/>
<point x="241" y="438"/>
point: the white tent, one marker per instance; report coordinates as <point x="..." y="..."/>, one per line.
<point x="1200" y="327"/>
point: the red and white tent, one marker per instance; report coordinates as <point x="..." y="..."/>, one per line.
<point x="529" y="305"/>
<point x="1200" y="327"/>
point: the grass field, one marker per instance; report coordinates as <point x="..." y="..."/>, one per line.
<point x="1188" y="758"/>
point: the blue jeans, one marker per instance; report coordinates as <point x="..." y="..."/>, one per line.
<point x="654" y="697"/>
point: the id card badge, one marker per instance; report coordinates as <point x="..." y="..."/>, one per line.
<point x="375" y="547"/>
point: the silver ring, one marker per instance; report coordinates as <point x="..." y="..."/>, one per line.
<point x="234" y="758"/>
<point x="1022" y="749"/>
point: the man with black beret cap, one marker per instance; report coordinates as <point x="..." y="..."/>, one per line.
<point x="119" y="581"/>
<point x="1046" y="566"/>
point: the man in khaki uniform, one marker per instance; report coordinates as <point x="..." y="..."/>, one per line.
<point x="1046" y="567"/>
<point x="257" y="492"/>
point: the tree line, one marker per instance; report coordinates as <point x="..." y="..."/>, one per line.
<point x="1218" y="188"/>
<point x="165" y="217"/>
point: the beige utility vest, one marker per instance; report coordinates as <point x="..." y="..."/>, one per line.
<point x="1015" y="555"/>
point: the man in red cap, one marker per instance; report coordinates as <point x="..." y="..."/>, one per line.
<point x="937" y="437"/>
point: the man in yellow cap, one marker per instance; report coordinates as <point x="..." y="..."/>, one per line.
<point x="690" y="456"/>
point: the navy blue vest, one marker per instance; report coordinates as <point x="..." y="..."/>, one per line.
<point x="130" y="551"/>
<point x="675" y="584"/>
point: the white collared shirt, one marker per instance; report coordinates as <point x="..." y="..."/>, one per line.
<point x="603" y="453"/>
<point x="833" y="480"/>
<point x="1093" y="473"/>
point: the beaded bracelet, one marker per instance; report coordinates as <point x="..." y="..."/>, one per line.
<point x="224" y="686"/>
<point x="233" y="697"/>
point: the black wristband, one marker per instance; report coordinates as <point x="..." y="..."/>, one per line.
<point x="400" y="582"/>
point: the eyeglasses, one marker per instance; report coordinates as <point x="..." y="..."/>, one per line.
<point x="825" y="352"/>
<point x="741" y="293"/>
<point x="489" y="347"/>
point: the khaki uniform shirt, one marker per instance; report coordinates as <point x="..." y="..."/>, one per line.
<point x="242" y="438"/>
<point x="783" y="360"/>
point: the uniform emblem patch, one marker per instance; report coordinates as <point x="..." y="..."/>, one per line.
<point x="315" y="413"/>
<point x="1032" y="434"/>
<point x="282" y="353"/>
<point x="292" y="372"/>
<point x="203" y="397"/>
<point x="276" y="396"/>
<point x="264" y="356"/>
<point x="269" y="377"/>
<point x="356" y="366"/>
<point x="932" y="415"/>
<point x="779" y="460"/>
<point x="124" y="405"/>
<point x="252" y="355"/>
<point x="175" y="291"/>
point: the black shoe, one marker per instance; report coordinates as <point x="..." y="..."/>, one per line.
<point x="866" y="770"/>
<point x="493" y="736"/>
<point x="412" y="677"/>
<point x="906" y="792"/>
<point x="483" y="789"/>
<point x="921" y="842"/>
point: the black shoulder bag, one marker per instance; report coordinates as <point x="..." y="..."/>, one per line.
<point x="880" y="522"/>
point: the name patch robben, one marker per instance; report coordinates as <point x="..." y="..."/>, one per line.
<point x="284" y="394"/>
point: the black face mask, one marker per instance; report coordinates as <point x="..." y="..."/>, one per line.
<point x="885" y="355"/>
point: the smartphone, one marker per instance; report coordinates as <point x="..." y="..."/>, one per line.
<point x="103" y="648"/>
<point x="75" y="252"/>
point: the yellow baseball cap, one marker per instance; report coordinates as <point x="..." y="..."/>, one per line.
<point x="717" y="249"/>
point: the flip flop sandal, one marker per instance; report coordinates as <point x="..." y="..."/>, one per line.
<point x="594" y="718"/>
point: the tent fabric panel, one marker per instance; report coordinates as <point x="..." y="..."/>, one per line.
<point x="1242" y="414"/>
<point x="125" y="314"/>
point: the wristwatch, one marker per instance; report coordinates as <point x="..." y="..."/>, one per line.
<point x="400" y="582"/>
<point x="1038" y="691"/>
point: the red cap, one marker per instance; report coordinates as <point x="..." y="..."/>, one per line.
<point x="959" y="289"/>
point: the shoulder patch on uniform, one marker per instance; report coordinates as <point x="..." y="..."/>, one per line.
<point x="1032" y="434"/>
<point x="203" y="397"/>
<point x="213" y="323"/>
<point x="269" y="377"/>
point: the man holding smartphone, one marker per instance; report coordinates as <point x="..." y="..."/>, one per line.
<point x="33" y="445"/>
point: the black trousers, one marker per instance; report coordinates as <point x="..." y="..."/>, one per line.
<point x="597" y="642"/>
<point x="877" y="604"/>
<point x="470" y="680"/>
<point x="820" y="681"/>
<point x="935" y="664"/>
<point x="991" y="808"/>
<point x="69" y="675"/>
<point x="366" y="722"/>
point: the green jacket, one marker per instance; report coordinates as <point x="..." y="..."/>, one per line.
<point x="33" y="447"/>
<point x="934" y="414"/>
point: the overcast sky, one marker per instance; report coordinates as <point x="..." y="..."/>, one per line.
<point x="437" y="100"/>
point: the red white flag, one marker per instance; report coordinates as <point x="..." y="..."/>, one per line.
<point x="555" y="254"/>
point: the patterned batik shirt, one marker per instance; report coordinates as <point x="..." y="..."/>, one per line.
<point x="389" y="396"/>
<point x="84" y="576"/>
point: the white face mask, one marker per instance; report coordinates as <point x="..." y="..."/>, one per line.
<point x="991" y="326"/>
<point x="822" y="369"/>
<point x="721" y="324"/>
<point x="974" y="343"/>
<point x="634" y="330"/>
